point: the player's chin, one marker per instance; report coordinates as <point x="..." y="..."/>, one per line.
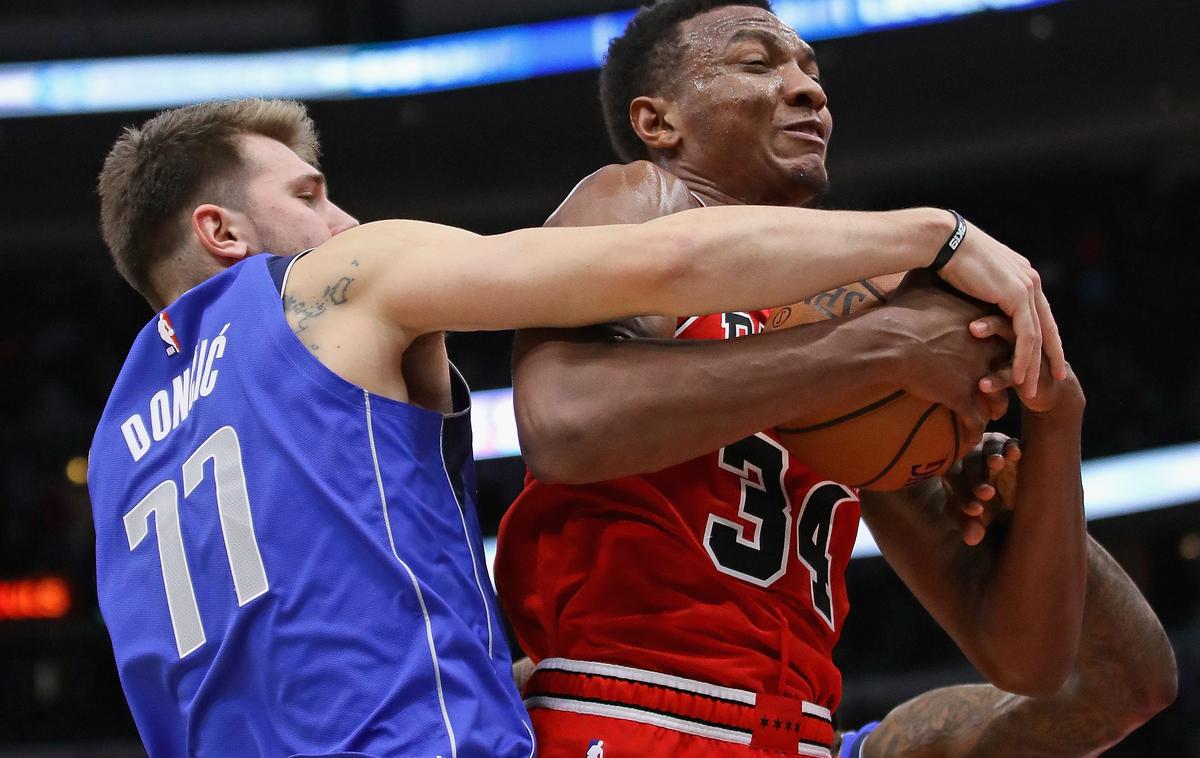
<point x="812" y="178"/>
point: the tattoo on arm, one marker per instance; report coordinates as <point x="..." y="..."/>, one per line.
<point x="301" y="312"/>
<point x="934" y="723"/>
<point x="336" y="292"/>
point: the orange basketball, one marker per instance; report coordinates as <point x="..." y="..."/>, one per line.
<point x="886" y="439"/>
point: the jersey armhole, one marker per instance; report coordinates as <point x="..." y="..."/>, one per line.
<point x="853" y="742"/>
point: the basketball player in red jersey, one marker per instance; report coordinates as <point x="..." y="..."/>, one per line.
<point x="693" y="610"/>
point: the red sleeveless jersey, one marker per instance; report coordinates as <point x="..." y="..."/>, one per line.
<point x="727" y="568"/>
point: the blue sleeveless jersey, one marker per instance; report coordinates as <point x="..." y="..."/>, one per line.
<point x="853" y="743"/>
<point x="289" y="565"/>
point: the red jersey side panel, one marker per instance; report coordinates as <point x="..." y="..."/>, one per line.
<point x="727" y="568"/>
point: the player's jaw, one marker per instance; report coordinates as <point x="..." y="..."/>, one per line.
<point x="755" y="149"/>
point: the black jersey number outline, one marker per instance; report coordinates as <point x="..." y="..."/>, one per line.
<point x="813" y="532"/>
<point x="761" y="464"/>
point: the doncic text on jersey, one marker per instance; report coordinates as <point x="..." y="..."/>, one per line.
<point x="170" y="406"/>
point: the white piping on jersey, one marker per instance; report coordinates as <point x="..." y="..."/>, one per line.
<point x="288" y="271"/>
<point x="699" y="199"/>
<point x="532" y="736"/>
<point x="437" y="671"/>
<point x="453" y="413"/>
<point x="462" y="514"/>
<point x="862" y="747"/>
<point x="628" y="713"/>
<point x="683" y="327"/>
<point x="813" y="750"/>
<point x="745" y="697"/>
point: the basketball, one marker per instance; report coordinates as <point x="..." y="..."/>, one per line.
<point x="884" y="441"/>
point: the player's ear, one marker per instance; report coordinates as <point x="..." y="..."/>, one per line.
<point x="653" y="120"/>
<point x="221" y="232"/>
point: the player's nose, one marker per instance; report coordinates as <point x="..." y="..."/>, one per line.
<point x="801" y="90"/>
<point x="339" y="221"/>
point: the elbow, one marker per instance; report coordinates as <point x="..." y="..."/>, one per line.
<point x="1165" y="689"/>
<point x="554" y="446"/>
<point x="1150" y="688"/>
<point x="550" y="468"/>
<point x="1140" y="695"/>
<point x="1158" y="696"/>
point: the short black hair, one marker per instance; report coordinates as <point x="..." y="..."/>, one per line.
<point x="642" y="60"/>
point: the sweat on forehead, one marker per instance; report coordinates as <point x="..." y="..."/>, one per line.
<point x="721" y="27"/>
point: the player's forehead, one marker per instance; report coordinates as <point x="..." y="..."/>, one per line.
<point x="716" y="30"/>
<point x="270" y="159"/>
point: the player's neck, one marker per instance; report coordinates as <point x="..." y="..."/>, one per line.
<point x="712" y="193"/>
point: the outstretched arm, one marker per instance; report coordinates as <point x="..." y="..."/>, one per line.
<point x="594" y="405"/>
<point x="425" y="278"/>
<point x="1124" y="674"/>
<point x="414" y="275"/>
<point x="1014" y="603"/>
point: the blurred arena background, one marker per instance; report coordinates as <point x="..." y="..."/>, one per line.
<point x="1070" y="129"/>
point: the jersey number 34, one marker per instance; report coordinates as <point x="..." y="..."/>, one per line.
<point x="761" y="559"/>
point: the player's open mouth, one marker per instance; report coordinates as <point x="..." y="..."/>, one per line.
<point x="806" y="130"/>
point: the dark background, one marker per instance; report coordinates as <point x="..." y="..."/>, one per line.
<point x="1072" y="132"/>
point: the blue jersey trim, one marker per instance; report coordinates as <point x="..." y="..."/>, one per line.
<point x="853" y="742"/>
<point x="278" y="266"/>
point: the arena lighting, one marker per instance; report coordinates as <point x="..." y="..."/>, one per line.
<point x="431" y="64"/>
<point x="1113" y="486"/>
<point x="43" y="598"/>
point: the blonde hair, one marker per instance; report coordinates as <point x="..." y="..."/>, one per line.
<point x="156" y="174"/>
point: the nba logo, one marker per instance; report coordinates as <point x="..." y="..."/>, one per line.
<point x="166" y="332"/>
<point x="596" y="749"/>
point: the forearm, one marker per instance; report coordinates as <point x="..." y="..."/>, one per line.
<point x="1012" y="604"/>
<point x="584" y="415"/>
<point x="707" y="260"/>
<point x="1123" y="675"/>
<point x="782" y="255"/>
<point x="1031" y="599"/>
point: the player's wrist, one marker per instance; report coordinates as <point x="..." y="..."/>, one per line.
<point x="928" y="231"/>
<point x="883" y="345"/>
<point x="952" y="243"/>
<point x="1065" y="416"/>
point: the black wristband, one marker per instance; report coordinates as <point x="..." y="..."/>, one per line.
<point x="951" y="247"/>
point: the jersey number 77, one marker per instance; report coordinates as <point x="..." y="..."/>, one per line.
<point x="237" y="528"/>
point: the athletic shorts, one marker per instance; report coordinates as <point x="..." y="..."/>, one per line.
<point x="582" y="709"/>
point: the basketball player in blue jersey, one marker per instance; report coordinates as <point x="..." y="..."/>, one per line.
<point x="288" y="555"/>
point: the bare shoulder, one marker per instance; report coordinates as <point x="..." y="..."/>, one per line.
<point x="373" y="249"/>
<point x="338" y="278"/>
<point x="628" y="193"/>
<point x="386" y="239"/>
